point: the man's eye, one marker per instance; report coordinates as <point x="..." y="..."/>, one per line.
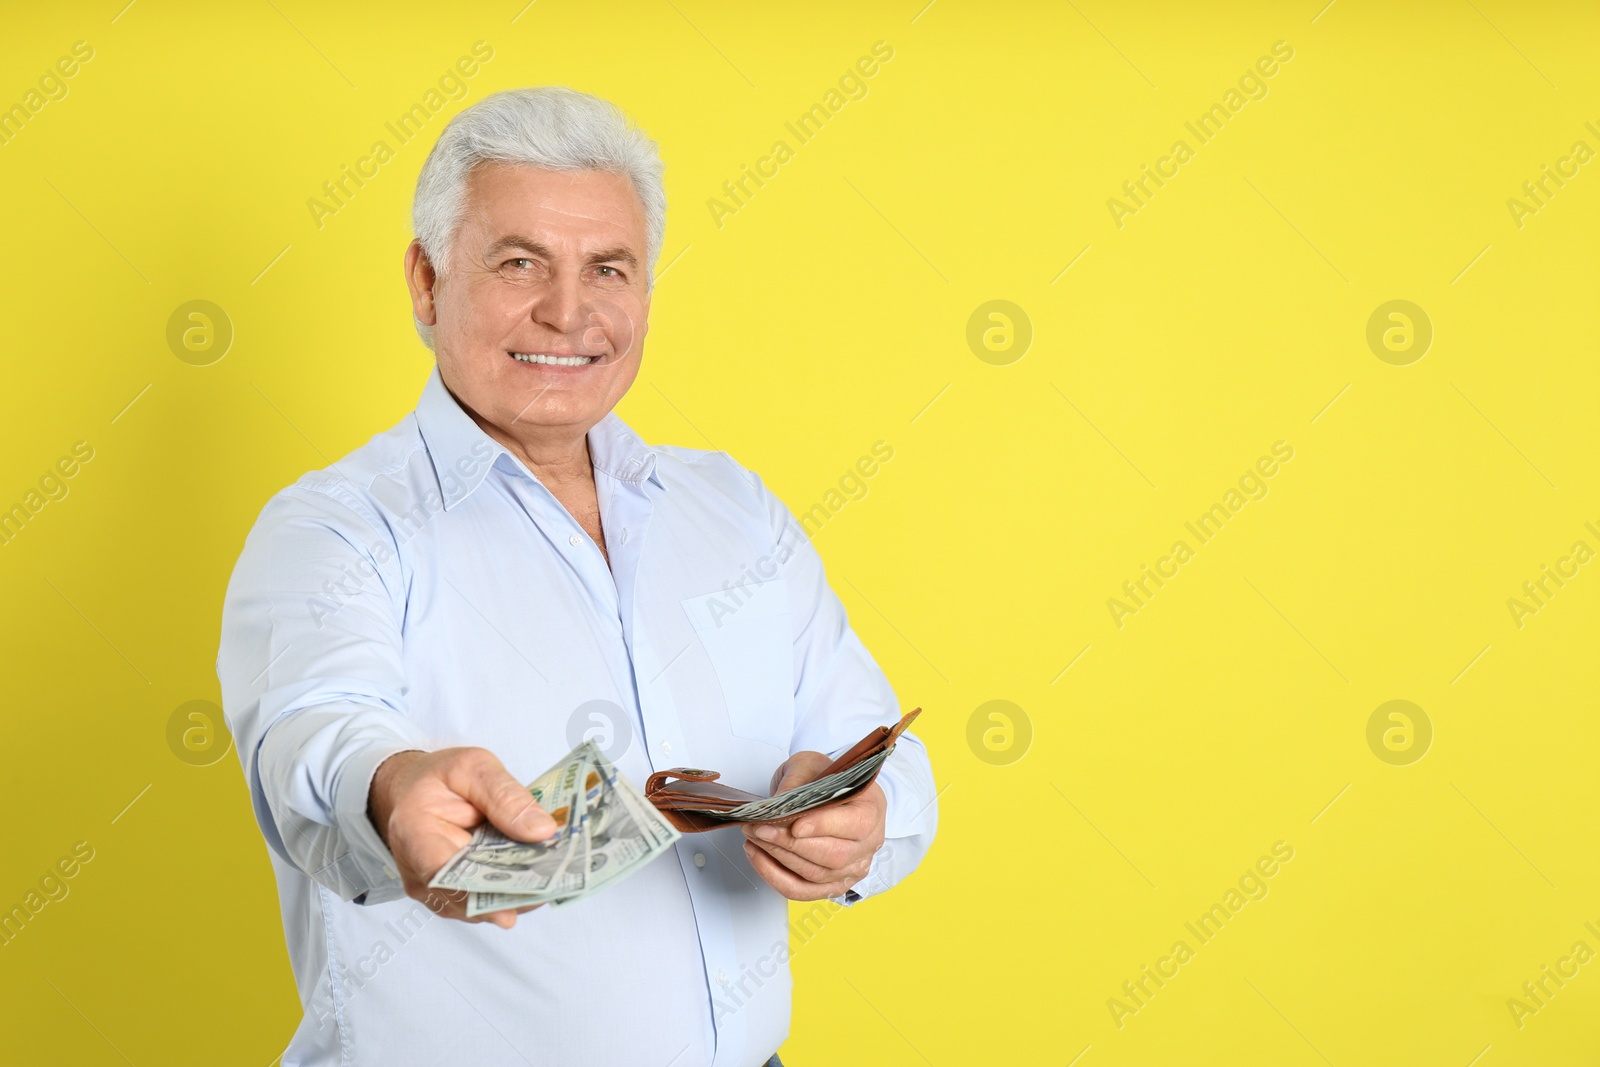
<point x="529" y="262"/>
<point x="615" y="273"/>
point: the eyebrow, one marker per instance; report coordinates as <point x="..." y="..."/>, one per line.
<point x="615" y="254"/>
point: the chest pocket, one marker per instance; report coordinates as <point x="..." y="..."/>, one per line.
<point x="748" y="635"/>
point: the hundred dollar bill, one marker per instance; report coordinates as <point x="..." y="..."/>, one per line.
<point x="801" y="797"/>
<point x="621" y="832"/>
<point x="645" y="813"/>
<point x="589" y="812"/>
<point x="495" y="863"/>
<point x="617" y="841"/>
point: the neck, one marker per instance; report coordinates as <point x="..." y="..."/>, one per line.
<point x="556" y="455"/>
<point x="555" y="458"/>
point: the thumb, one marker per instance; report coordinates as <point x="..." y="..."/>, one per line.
<point x="799" y="769"/>
<point x="504" y="801"/>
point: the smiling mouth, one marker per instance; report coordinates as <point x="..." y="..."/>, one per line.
<point x="553" y="361"/>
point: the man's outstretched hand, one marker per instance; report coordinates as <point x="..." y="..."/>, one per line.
<point x="424" y="806"/>
<point x="822" y="853"/>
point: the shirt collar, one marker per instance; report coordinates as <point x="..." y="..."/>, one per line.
<point x="462" y="453"/>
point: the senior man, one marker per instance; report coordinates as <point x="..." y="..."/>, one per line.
<point x="415" y="631"/>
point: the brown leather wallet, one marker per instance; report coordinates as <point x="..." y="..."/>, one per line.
<point x="694" y="800"/>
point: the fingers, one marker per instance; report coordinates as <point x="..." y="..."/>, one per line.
<point x="422" y="845"/>
<point x="503" y="919"/>
<point x="832" y="853"/>
<point x="798" y="769"/>
<point x="823" y="853"/>
<point x="849" y="821"/>
<point x="787" y="882"/>
<point x="432" y="803"/>
<point x="851" y="870"/>
<point x="861" y="818"/>
<point x="452" y="904"/>
<point x="504" y="801"/>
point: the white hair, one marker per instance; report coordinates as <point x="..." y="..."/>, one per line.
<point x="549" y="126"/>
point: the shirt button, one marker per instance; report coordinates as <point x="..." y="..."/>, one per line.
<point x="666" y="748"/>
<point x="575" y="539"/>
<point x="624" y="535"/>
<point x="699" y="859"/>
<point x="722" y="977"/>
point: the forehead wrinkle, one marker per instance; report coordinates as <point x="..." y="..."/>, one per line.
<point x="552" y="209"/>
<point x="578" y="215"/>
<point x="543" y="200"/>
<point x="482" y="213"/>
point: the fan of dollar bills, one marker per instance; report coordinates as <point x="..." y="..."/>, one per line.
<point x="794" y="801"/>
<point x="605" y="830"/>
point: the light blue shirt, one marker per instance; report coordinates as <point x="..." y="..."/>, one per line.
<point x="428" y="591"/>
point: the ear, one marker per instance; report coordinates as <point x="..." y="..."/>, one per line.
<point x="421" y="279"/>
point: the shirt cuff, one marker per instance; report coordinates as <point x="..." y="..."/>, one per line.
<point x="373" y="862"/>
<point x="872" y="882"/>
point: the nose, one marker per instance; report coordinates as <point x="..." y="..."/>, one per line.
<point x="557" y="305"/>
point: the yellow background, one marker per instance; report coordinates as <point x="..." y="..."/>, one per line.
<point x="825" y="315"/>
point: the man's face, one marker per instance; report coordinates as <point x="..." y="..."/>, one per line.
<point x="549" y="264"/>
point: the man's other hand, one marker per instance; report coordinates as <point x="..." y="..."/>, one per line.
<point x="822" y="853"/>
<point x="424" y="806"/>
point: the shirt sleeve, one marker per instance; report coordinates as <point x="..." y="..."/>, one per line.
<point x="313" y="683"/>
<point x="841" y="694"/>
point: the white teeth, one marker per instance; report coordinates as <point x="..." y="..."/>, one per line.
<point x="558" y="361"/>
